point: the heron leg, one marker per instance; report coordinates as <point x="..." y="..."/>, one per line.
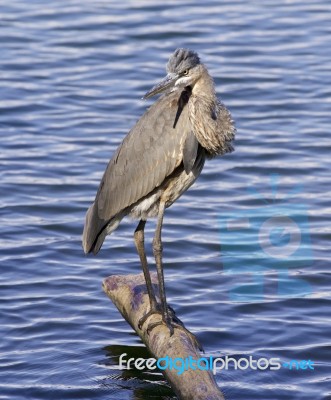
<point x="168" y="314"/>
<point x="157" y="250"/>
<point x="139" y="239"/>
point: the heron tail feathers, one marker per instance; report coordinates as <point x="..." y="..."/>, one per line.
<point x="96" y="229"/>
<point x="94" y="232"/>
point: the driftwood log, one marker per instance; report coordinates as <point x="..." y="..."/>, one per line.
<point x="129" y="295"/>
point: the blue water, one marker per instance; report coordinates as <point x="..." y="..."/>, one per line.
<point x="72" y="77"/>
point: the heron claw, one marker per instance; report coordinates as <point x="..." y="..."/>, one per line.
<point x="154" y="310"/>
<point x="176" y="323"/>
<point x="164" y="321"/>
<point x="171" y="321"/>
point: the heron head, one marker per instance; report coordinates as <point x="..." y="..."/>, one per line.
<point x="183" y="69"/>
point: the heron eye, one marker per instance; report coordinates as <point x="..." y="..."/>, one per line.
<point x="185" y="72"/>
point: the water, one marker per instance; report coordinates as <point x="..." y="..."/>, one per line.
<point x="72" y="77"/>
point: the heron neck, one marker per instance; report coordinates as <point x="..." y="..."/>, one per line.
<point x="210" y="120"/>
<point x="204" y="87"/>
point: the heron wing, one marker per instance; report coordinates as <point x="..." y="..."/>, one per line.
<point x="190" y="151"/>
<point x="148" y="154"/>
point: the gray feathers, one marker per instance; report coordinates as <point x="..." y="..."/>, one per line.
<point x="151" y="151"/>
<point x="164" y="152"/>
<point x="190" y="152"/>
<point x="181" y="60"/>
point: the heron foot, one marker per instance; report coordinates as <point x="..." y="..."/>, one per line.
<point x="176" y="323"/>
<point x="171" y="321"/>
<point x="156" y="309"/>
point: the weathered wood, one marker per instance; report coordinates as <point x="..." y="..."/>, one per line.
<point x="129" y="295"/>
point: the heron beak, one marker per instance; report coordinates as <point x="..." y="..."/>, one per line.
<point x="166" y="83"/>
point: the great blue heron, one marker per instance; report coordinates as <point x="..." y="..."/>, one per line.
<point x="158" y="161"/>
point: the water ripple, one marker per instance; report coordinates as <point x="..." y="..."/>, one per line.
<point x="73" y="74"/>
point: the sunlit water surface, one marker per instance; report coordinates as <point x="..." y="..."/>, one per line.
<point x="72" y="77"/>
